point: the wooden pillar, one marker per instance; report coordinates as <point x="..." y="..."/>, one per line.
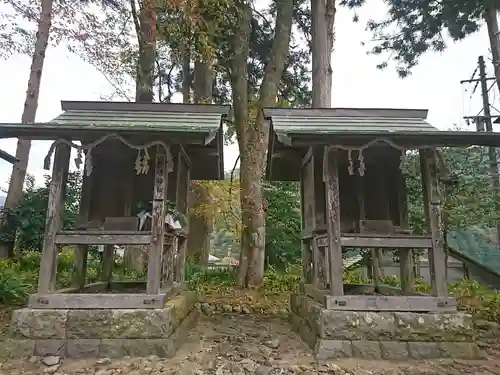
<point x="425" y="197"/>
<point x="319" y="207"/>
<point x="157" y="222"/>
<point x="331" y="180"/>
<point x="437" y="262"/>
<point x="81" y="251"/>
<point x="305" y="197"/>
<point x="53" y="222"/>
<point x="383" y="209"/>
<point x="183" y="177"/>
<point x="405" y="256"/>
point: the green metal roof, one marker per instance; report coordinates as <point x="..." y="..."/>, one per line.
<point x="94" y="117"/>
<point x="474" y="245"/>
<point x="198" y="127"/>
<point x="143" y="120"/>
<point x="334" y="120"/>
<point x="331" y="125"/>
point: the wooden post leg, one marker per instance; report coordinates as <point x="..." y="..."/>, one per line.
<point x="80" y="266"/>
<point x="108" y="260"/>
<point x="307" y="260"/>
<point x="157" y="222"/>
<point x="406" y="264"/>
<point x="333" y="223"/>
<point x="376" y="266"/>
<point x="316" y="274"/>
<point x="53" y="222"/>
<point x="81" y="251"/>
<point x="181" y="260"/>
<point x="437" y="261"/>
<point x="406" y="271"/>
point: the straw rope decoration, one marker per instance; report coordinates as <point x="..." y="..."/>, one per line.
<point x="362" y="166"/>
<point x="141" y="162"/>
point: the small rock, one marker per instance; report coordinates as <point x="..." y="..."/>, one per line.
<point x="206" y="309"/>
<point x="274" y="344"/>
<point x="227" y="308"/>
<point x="263" y="370"/>
<point x="248" y="364"/>
<point x="103" y="372"/>
<point x="237" y="309"/>
<point x="266" y="352"/>
<point x="245" y="310"/>
<point x="34" y="359"/>
<point x="103" y="361"/>
<point x="51" y="360"/>
<point x="51" y="370"/>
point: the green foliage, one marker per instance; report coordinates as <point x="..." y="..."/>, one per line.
<point x="282" y="223"/>
<point x="469" y="198"/>
<point x="13" y="288"/>
<point x="199" y="278"/>
<point x="275" y="282"/>
<point x="28" y="217"/>
<point x="415" y="27"/>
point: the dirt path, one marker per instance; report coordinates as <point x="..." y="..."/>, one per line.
<point x="245" y="344"/>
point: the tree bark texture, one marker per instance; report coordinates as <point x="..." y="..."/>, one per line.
<point x="147" y="51"/>
<point x="29" y="113"/>
<point x="200" y="224"/>
<point x="253" y="135"/>
<point x="322" y="22"/>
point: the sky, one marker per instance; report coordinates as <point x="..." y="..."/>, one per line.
<point x="434" y="84"/>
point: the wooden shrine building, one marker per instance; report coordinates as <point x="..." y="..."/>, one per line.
<point x="350" y="166"/>
<point x="132" y="154"/>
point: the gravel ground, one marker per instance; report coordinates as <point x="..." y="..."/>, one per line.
<point x="246" y="344"/>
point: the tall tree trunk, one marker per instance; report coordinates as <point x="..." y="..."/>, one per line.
<point x="147" y="51"/>
<point x="30" y="107"/>
<point x="145" y="27"/>
<point x="322" y="22"/>
<point x="186" y="75"/>
<point x="200" y="223"/>
<point x="253" y="137"/>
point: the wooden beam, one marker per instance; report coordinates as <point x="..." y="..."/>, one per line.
<point x="103" y="238"/>
<point x="81" y="251"/>
<point x="434" y="200"/>
<point x="331" y="181"/>
<point x="53" y="222"/>
<point x="392" y="241"/>
<point x="392" y="303"/>
<point x="96" y="301"/>
<point x="157" y="222"/>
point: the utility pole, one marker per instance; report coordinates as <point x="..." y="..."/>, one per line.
<point x="483" y="123"/>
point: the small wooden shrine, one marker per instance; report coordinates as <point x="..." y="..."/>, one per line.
<point x="350" y="166"/>
<point x="132" y="154"/>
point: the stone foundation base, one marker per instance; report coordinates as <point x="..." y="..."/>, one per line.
<point x="111" y="333"/>
<point x="382" y="335"/>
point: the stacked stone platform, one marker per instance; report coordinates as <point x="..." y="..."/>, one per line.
<point x="382" y="335"/>
<point x="111" y="333"/>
